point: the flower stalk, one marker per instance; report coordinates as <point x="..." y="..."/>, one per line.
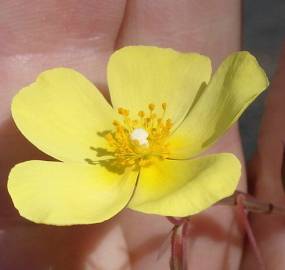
<point x="243" y="218"/>
<point x="251" y="204"/>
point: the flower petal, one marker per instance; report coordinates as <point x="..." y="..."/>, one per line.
<point x="66" y="193"/>
<point x="238" y="81"/>
<point x="140" y="75"/>
<point x="61" y="113"/>
<point x="186" y="187"/>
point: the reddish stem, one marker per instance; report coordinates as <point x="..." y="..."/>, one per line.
<point x="185" y="239"/>
<point x="176" y="250"/>
<point x="245" y="222"/>
<point x="176" y="221"/>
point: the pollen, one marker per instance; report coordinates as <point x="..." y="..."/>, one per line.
<point x="143" y="140"/>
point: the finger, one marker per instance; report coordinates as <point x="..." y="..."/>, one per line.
<point x="186" y="26"/>
<point x="37" y="35"/>
<point x="110" y="252"/>
<point x="34" y="36"/>
<point x="266" y="176"/>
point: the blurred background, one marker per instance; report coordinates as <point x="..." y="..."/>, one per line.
<point x="263" y="36"/>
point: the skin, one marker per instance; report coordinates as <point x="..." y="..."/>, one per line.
<point x="266" y="178"/>
<point x="36" y="35"/>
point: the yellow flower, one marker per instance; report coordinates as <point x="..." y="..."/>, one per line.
<point x="138" y="153"/>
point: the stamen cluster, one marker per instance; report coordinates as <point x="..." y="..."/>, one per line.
<point x="129" y="152"/>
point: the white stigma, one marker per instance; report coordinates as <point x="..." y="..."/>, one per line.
<point x="140" y="135"/>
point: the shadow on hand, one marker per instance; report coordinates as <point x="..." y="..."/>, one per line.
<point x="25" y="245"/>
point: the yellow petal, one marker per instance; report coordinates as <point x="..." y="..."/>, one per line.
<point x="61" y="113"/>
<point x="186" y="187"/>
<point x="238" y="81"/>
<point x="140" y="75"/>
<point x="66" y="193"/>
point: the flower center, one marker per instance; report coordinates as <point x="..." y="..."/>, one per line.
<point x="140" y="135"/>
<point x="140" y="141"/>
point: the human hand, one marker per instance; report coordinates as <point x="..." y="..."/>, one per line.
<point x="38" y="35"/>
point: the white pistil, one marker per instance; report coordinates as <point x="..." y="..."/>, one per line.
<point x="140" y="135"/>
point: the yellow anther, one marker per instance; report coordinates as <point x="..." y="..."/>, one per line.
<point x="116" y="123"/>
<point x="126" y="113"/>
<point x="141" y="113"/>
<point x="164" y="105"/>
<point x="121" y="111"/>
<point x="168" y="123"/>
<point x="109" y="137"/>
<point x="120" y="128"/>
<point x="151" y="106"/>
